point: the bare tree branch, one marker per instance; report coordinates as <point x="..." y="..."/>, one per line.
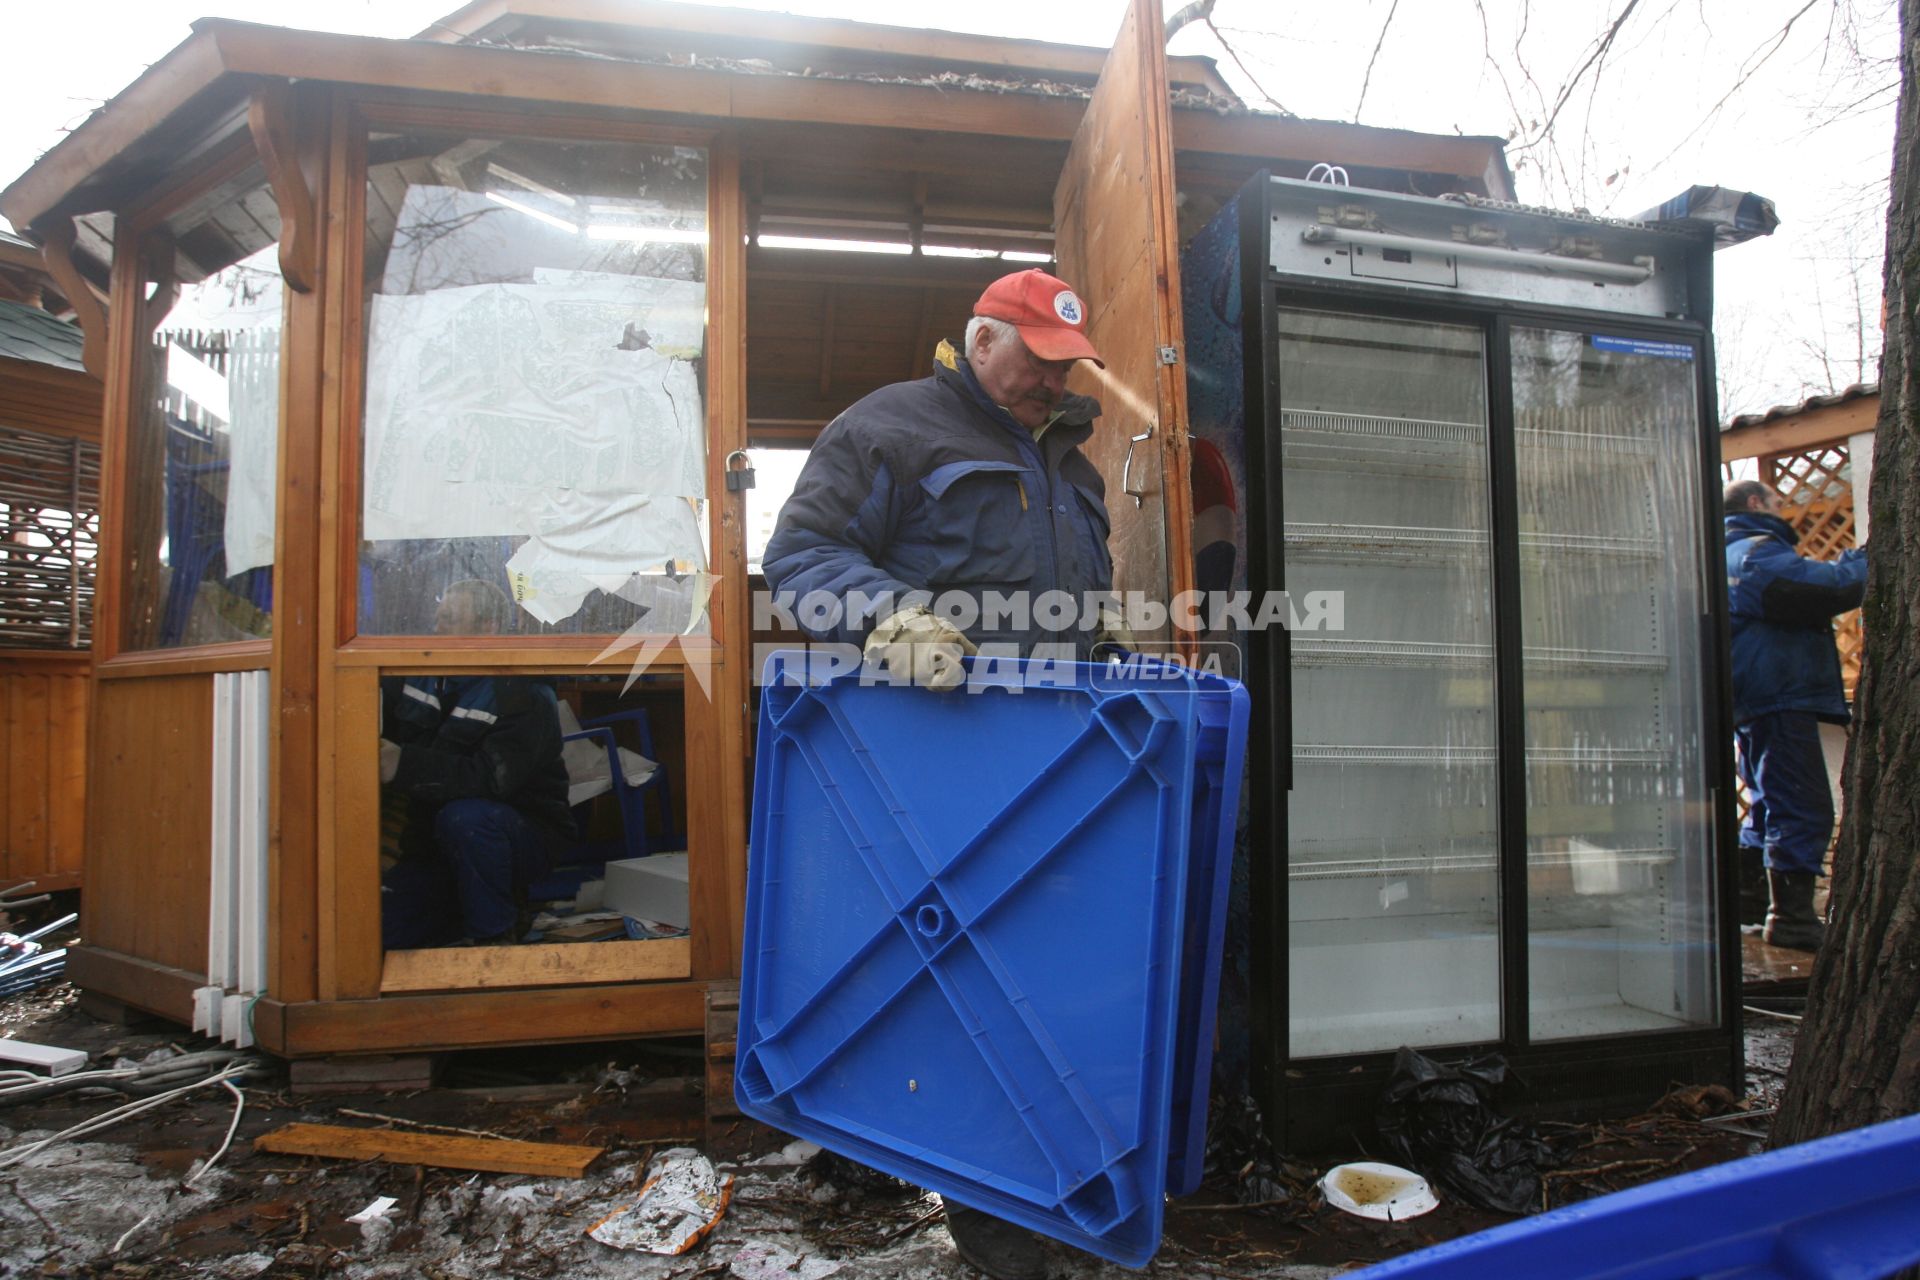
<point x="1599" y="52"/>
<point x="1747" y="73"/>
<point x="1368" y="78"/>
<point x="1235" y="55"/>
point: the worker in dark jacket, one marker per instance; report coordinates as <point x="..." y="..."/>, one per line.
<point x="478" y="759"/>
<point x="968" y="488"/>
<point x="1786" y="681"/>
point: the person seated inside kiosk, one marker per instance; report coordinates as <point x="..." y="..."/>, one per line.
<point x="477" y="759"/>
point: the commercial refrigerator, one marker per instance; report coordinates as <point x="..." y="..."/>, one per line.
<point x="1489" y="803"/>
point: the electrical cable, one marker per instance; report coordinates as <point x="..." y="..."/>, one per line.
<point x="233" y="1127"/>
<point x="25" y="1086"/>
<point x="126" y="1111"/>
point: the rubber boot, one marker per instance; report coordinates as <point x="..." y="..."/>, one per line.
<point x="996" y="1247"/>
<point x="1752" y="871"/>
<point x="1791" y="922"/>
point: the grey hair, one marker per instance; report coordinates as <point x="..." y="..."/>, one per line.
<point x="1000" y="330"/>
<point x="484" y="603"/>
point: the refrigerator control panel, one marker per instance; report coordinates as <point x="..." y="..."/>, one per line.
<point x="1484" y="249"/>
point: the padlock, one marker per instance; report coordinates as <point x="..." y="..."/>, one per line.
<point x="743" y="478"/>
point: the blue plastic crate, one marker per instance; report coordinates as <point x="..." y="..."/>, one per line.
<point x="982" y="933"/>
<point x="1841" y="1208"/>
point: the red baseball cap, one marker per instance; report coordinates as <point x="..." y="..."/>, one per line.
<point x="1049" y="316"/>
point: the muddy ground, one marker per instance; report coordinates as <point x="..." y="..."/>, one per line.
<point x="792" y="1214"/>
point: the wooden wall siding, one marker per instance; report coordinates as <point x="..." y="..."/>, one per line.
<point x="43" y="783"/>
<point x="39" y="397"/>
<point x="823" y="329"/>
<point x="149" y="820"/>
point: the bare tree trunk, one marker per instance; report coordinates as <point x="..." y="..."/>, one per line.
<point x="1858" y="1057"/>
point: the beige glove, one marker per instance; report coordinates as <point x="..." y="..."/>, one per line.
<point x="389" y="760"/>
<point x="920" y="645"/>
<point x="1114" y="631"/>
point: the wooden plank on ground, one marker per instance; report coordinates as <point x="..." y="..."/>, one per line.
<point x="442" y="1151"/>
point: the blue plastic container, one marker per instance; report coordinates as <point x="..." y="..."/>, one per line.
<point x="983" y="928"/>
<point x="1842" y="1208"/>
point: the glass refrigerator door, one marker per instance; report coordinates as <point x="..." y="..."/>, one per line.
<point x="1392" y="853"/>
<point x="1619" y="849"/>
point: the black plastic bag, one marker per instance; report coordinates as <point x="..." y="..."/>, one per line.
<point x="1440" y="1121"/>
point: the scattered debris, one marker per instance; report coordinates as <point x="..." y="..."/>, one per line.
<point x="1442" y="1119"/>
<point x="1382" y="1191"/>
<point x="1698" y="1101"/>
<point x="381" y="1206"/>
<point x="683" y="1199"/>
<point x="25" y="961"/>
<point x="489" y="1155"/>
<point x="771" y="1262"/>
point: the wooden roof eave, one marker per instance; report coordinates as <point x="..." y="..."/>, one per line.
<point x="507" y="18"/>
<point x="219" y="61"/>
<point x="137" y="112"/>
<point x="1794" y="432"/>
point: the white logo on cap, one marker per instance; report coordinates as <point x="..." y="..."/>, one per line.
<point x="1067" y="306"/>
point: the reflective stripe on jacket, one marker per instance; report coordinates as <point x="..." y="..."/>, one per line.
<point x="478" y="737"/>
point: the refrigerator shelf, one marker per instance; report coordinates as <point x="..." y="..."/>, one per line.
<point x="1423" y="543"/>
<point x="1360" y="426"/>
<point x="1477" y="757"/>
<point x="1321" y="652"/>
<point x="1356" y="865"/>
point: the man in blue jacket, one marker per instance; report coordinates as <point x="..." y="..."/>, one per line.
<point x="478" y="760"/>
<point x="1786" y="681"/>
<point x="966" y="490"/>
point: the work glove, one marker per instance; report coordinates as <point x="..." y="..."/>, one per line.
<point x="389" y="760"/>
<point x="921" y="646"/>
<point x="1113" y="633"/>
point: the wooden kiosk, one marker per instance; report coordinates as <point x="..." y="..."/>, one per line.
<point x="273" y="546"/>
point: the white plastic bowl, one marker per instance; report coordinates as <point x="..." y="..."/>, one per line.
<point x="1382" y="1191"/>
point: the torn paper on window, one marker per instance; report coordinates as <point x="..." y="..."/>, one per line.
<point x="668" y="315"/>
<point x="552" y="572"/>
<point x="244" y="302"/>
<point x="253" y="392"/>
<point x="502" y="410"/>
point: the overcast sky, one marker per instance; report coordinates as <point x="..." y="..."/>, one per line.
<point x="1690" y="91"/>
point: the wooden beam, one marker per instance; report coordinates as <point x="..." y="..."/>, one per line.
<point x="826" y="342"/>
<point x="920" y="358"/>
<point x="57" y="248"/>
<point x="156" y="988"/>
<point x="480" y="1019"/>
<point x="299" y="632"/>
<point x="965" y="276"/>
<point x="717" y="858"/>
<point x="498" y="968"/>
<point x="440" y="1150"/>
<point x="1799" y="431"/>
<point x="270" y="117"/>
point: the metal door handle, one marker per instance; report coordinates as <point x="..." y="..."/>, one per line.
<point x="1126" y="470"/>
